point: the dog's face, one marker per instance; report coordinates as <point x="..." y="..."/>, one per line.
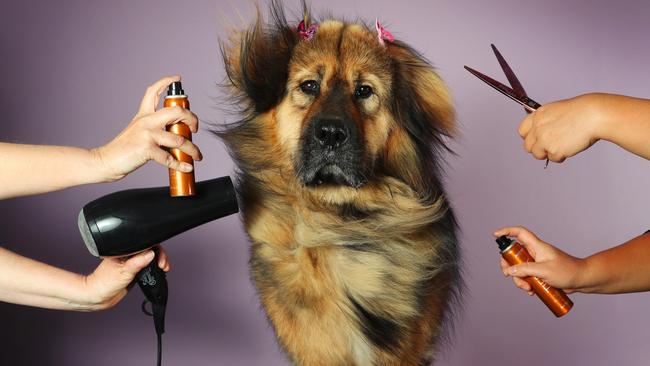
<point x="344" y="109"/>
<point x="335" y="116"/>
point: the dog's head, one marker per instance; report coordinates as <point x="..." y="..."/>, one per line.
<point x="335" y="103"/>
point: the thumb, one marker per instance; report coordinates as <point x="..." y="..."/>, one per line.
<point x="134" y="264"/>
<point x="527" y="269"/>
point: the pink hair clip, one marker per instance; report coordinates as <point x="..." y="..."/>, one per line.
<point x="382" y="34"/>
<point x="309" y="33"/>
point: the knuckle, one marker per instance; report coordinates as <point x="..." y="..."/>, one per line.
<point x="527" y="146"/>
<point x="170" y="161"/>
<point x="520" y="130"/>
<point x="178" y="140"/>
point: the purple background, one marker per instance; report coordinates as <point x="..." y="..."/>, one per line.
<point x="73" y="73"/>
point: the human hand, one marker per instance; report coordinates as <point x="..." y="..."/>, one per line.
<point x="551" y="265"/>
<point x="144" y="138"/>
<point x="562" y="129"/>
<point x="111" y="280"/>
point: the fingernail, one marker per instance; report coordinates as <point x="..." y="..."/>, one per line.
<point x="512" y="270"/>
<point x="186" y="167"/>
<point x="150" y="254"/>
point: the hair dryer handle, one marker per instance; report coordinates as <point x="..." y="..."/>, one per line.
<point x="153" y="283"/>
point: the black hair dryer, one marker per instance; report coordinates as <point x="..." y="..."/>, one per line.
<point x="134" y="220"/>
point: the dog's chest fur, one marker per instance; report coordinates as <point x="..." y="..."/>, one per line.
<point x="343" y="291"/>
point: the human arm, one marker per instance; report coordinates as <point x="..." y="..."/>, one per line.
<point x="564" y="128"/>
<point x="33" y="169"/>
<point x="25" y="281"/>
<point x="621" y="269"/>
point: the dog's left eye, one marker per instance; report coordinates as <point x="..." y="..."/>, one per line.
<point x="310" y="87"/>
<point x="363" y="92"/>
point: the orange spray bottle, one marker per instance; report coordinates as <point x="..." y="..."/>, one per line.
<point x="556" y="300"/>
<point x="180" y="183"/>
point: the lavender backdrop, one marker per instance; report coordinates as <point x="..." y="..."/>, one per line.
<point x="73" y="73"/>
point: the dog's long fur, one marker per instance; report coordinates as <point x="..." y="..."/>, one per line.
<point x="364" y="271"/>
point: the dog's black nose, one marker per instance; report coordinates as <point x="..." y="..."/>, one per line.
<point x="331" y="133"/>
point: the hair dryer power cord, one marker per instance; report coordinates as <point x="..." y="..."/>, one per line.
<point x="158" y="335"/>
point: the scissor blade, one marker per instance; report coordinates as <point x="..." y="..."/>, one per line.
<point x="512" y="78"/>
<point x="526" y="102"/>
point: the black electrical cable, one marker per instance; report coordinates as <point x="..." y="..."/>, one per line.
<point x="159" y="335"/>
<point x="153" y="283"/>
<point x="159" y="350"/>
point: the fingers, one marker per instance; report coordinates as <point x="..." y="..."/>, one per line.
<point x="534" y="146"/>
<point x="152" y="94"/>
<point x="556" y="157"/>
<point x="538" y="151"/>
<point x="528" y="269"/>
<point x="134" y="264"/>
<point x="522" y="284"/>
<point x="525" y="237"/>
<point x="522" y="234"/>
<point x="171" y="140"/>
<point x="163" y="259"/>
<point x="529" y="141"/>
<point x="525" y="126"/>
<point x="504" y="266"/>
<point x="170" y="115"/>
<point x="164" y="158"/>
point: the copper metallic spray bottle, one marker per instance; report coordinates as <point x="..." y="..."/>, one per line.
<point x="180" y="183"/>
<point x="556" y="300"/>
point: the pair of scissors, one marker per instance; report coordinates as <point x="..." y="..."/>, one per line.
<point x="515" y="92"/>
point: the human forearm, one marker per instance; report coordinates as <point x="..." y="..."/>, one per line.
<point x="28" y="282"/>
<point x="620" y="269"/>
<point x="625" y="122"/>
<point x="562" y="129"/>
<point x="33" y="169"/>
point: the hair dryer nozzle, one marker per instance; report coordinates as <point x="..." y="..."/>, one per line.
<point x="134" y="220"/>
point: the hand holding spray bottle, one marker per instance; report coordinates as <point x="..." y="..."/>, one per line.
<point x="556" y="300"/>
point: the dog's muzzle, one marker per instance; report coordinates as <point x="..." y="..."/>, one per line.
<point x="332" y="153"/>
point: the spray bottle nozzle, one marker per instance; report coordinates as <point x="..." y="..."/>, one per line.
<point x="504" y="242"/>
<point x="175" y="88"/>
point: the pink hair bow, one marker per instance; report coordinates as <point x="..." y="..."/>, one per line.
<point x="307" y="33"/>
<point x="382" y="34"/>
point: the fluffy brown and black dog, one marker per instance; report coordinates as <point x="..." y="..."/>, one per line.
<point x="354" y="251"/>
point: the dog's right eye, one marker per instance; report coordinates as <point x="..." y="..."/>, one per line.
<point x="310" y="87"/>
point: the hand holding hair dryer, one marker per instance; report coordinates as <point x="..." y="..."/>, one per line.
<point x="134" y="220"/>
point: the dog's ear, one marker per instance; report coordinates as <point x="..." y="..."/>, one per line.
<point x="257" y="60"/>
<point x="421" y="97"/>
<point x="422" y="107"/>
